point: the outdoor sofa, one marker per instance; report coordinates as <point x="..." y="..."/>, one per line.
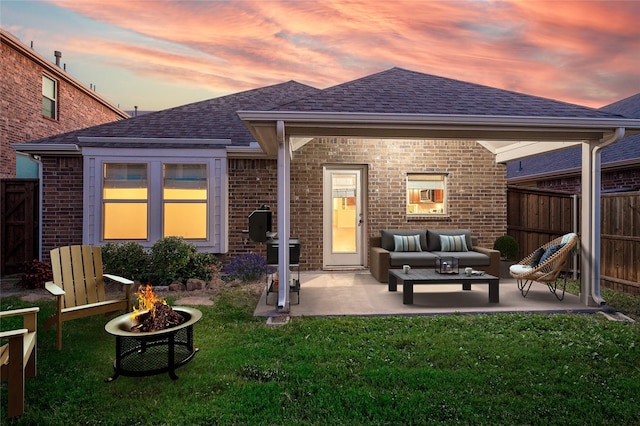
<point x="395" y="248"/>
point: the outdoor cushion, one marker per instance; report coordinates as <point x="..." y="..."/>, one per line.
<point x="466" y="258"/>
<point x="550" y="252"/>
<point x="407" y="243"/>
<point x="537" y="255"/>
<point x="433" y="237"/>
<point x="518" y="269"/>
<point x="387" y="242"/>
<point x="413" y="258"/>
<point x="453" y="243"/>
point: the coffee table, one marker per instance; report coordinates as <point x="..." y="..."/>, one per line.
<point x="429" y="276"/>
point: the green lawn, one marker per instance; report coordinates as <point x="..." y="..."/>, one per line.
<point x="459" y="369"/>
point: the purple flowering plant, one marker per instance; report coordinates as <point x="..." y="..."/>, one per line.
<point x="247" y="267"/>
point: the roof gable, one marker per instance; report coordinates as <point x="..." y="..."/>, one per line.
<point x="399" y="91"/>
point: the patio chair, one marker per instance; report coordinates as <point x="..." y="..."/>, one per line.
<point x="544" y="265"/>
<point x="78" y="284"/>
<point x="18" y="356"/>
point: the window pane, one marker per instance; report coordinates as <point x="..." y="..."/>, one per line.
<point x="426" y="194"/>
<point x="125" y="182"/>
<point x="124" y="221"/>
<point x="187" y="220"/>
<point x="128" y="217"/>
<point x="48" y="87"/>
<point x="185" y="182"/>
<point x="48" y="108"/>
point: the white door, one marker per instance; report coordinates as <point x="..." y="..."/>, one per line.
<point x="344" y="216"/>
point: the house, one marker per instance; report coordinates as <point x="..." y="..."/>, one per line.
<point x="560" y="170"/>
<point x="335" y="165"/>
<point x="40" y="99"/>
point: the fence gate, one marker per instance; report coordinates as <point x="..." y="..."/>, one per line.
<point x="18" y="223"/>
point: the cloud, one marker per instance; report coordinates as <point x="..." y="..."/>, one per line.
<point x="581" y="52"/>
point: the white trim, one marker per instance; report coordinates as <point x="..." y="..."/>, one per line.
<point x="217" y="239"/>
<point x="146" y="141"/>
<point x="328" y="118"/>
<point x="46" y="148"/>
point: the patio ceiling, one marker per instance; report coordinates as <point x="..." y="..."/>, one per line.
<point x="508" y="137"/>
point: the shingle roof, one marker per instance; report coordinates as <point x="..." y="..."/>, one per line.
<point x="211" y="119"/>
<point x="408" y="92"/>
<point x="571" y="158"/>
<point x="629" y="107"/>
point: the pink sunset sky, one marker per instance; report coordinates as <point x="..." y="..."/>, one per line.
<point x="158" y="54"/>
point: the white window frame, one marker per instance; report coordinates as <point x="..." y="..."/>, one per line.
<point x="217" y="190"/>
<point x="444" y="211"/>
<point x="54" y="99"/>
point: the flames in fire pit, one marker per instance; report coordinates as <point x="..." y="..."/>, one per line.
<point x="153" y="313"/>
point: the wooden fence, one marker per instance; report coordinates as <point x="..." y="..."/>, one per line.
<point x="536" y="216"/>
<point x="18" y="223"/>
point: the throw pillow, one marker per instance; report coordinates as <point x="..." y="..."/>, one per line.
<point x="550" y="252"/>
<point x="407" y="242"/>
<point x="453" y="243"/>
<point x="537" y="255"/>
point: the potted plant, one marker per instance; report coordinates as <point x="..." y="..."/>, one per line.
<point x="508" y="248"/>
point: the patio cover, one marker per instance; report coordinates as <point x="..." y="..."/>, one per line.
<point x="404" y="104"/>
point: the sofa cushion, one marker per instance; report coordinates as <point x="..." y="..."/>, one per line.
<point x="433" y="237"/>
<point x="413" y="258"/>
<point x="407" y="243"/>
<point x="453" y="243"/>
<point x="466" y="258"/>
<point x="387" y="242"/>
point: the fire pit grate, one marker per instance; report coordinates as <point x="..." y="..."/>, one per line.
<point x="148" y="353"/>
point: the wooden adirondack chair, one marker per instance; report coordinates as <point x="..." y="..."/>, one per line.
<point x="18" y="357"/>
<point x="78" y="284"/>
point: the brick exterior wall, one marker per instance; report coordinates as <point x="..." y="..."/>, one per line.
<point x="476" y="185"/>
<point x="252" y="183"/>
<point x="476" y="192"/>
<point x="628" y="179"/>
<point x="61" y="202"/>
<point x="21" y="118"/>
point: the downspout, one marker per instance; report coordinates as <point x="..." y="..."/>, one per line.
<point x="284" y="224"/>
<point x="38" y="160"/>
<point x="596" y="156"/>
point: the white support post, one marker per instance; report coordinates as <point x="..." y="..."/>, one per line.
<point x="590" y="226"/>
<point x="284" y="207"/>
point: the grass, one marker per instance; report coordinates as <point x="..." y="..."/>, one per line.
<point x="458" y="369"/>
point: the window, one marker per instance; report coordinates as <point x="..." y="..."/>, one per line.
<point x="49" y="97"/>
<point x="185" y="196"/>
<point x="144" y="195"/>
<point x="426" y="194"/>
<point x="125" y="196"/>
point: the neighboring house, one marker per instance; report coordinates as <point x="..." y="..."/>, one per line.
<point x="396" y="149"/>
<point x="40" y="99"/>
<point x="560" y="170"/>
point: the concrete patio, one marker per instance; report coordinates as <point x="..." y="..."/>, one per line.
<point x="358" y="293"/>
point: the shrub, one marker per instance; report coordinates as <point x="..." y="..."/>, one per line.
<point x="170" y="259"/>
<point x="128" y="260"/>
<point x="247" y="267"/>
<point x="204" y="266"/>
<point x="507" y="246"/>
<point x="36" y="274"/>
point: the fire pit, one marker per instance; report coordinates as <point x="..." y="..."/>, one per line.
<point x="144" y="353"/>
